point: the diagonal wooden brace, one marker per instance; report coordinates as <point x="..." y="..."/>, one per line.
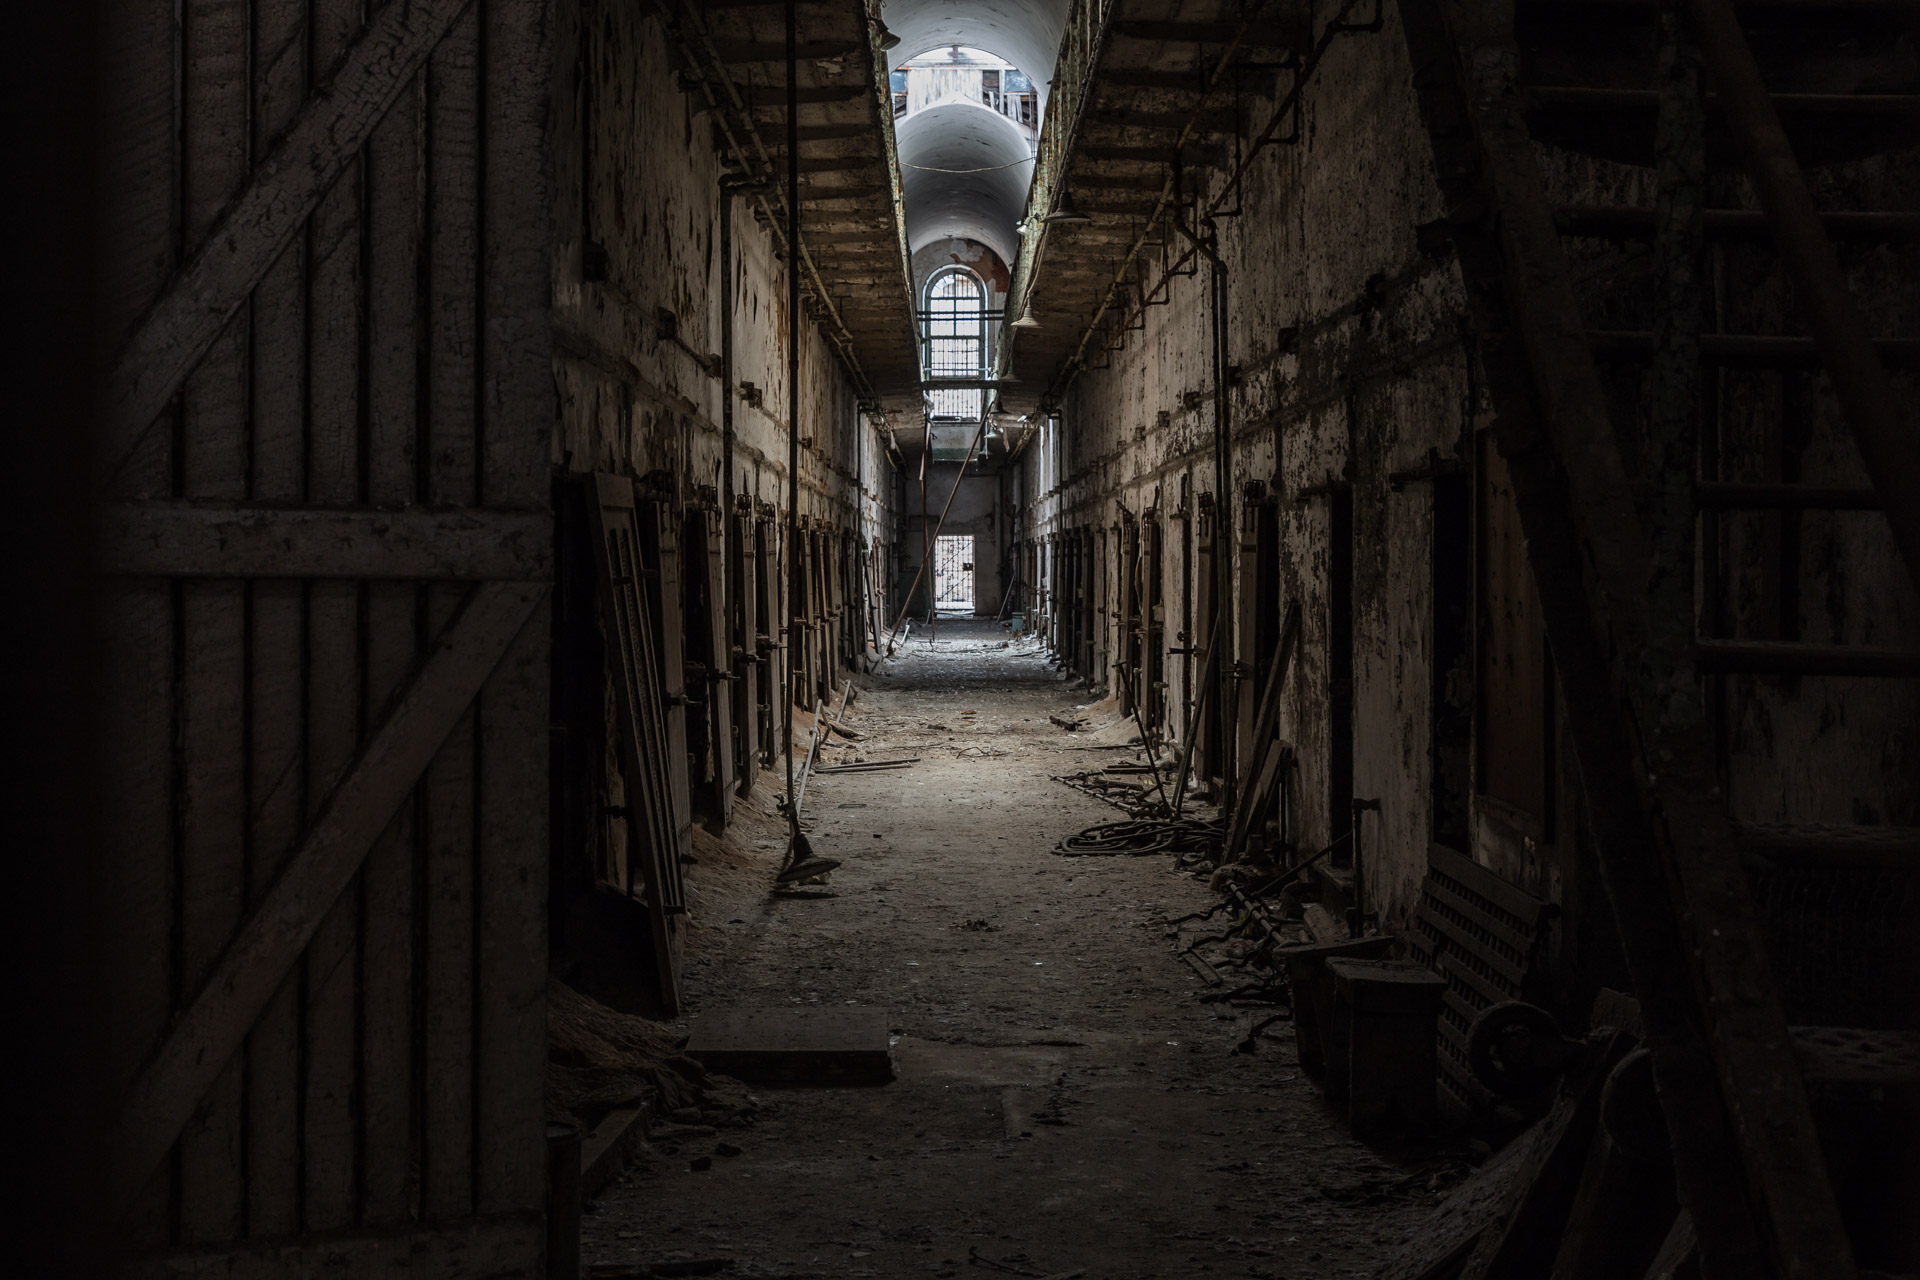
<point x="262" y="220"/>
<point x="357" y="809"/>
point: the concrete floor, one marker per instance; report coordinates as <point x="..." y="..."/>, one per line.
<point x="1064" y="1105"/>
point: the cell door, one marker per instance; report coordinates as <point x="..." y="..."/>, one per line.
<point x="1155" y="694"/>
<point x="744" y="622"/>
<point x="660" y="551"/>
<point x="631" y="616"/>
<point x="766" y="644"/>
<point x="709" y="658"/>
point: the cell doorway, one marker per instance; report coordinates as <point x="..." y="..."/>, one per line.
<point x="953" y="574"/>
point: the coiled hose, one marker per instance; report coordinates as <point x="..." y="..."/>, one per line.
<point x="1140" y="837"/>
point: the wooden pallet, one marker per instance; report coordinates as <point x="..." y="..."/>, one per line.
<point x="1482" y="935"/>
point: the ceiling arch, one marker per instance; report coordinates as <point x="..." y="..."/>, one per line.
<point x="1023" y="32"/>
<point x="984" y="205"/>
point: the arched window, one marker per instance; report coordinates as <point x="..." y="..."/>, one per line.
<point x="956" y="333"/>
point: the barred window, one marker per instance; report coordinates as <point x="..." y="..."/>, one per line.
<point x="955" y="340"/>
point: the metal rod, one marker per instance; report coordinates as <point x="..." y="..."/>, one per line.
<point x="1223" y="511"/>
<point x="1146" y="740"/>
<point x="1199" y="713"/>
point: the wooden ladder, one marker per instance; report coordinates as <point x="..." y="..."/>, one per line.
<point x="1613" y="547"/>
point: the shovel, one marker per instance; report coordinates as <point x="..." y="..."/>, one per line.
<point x="802" y="863"/>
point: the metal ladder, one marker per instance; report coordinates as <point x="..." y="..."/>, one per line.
<point x="1613" y="547"/>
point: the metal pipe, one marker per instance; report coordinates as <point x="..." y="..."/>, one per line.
<point x="793" y="393"/>
<point x="1223" y="518"/>
<point x="1888" y="441"/>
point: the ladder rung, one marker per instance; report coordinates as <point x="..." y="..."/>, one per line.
<point x="1609" y="222"/>
<point x="1746" y="349"/>
<point x="1832" y="843"/>
<point x="1789" y="658"/>
<point x="1729" y="496"/>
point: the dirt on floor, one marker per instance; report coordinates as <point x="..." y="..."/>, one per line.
<point x="1064" y="1104"/>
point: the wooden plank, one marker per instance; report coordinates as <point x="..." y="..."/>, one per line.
<point x="138" y="761"/>
<point x="451" y="476"/>
<point x="212" y="464"/>
<point x="510" y="1005"/>
<point x="447" y="957"/>
<point x="276" y="772"/>
<point x="319" y="144"/>
<point x="336" y="694"/>
<point x="516" y="415"/>
<point x="517" y="410"/>
<point x="496" y="1247"/>
<point x="785" y="1045"/>
<point x="356" y="809"/>
<point x="251" y="540"/>
<point x="1449" y="1233"/>
<point x="394" y="205"/>
<point x="1831" y="844"/>
<point x="604" y="1152"/>
<point x="1264" y="726"/>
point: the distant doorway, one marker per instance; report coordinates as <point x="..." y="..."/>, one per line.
<point x="953" y="574"/>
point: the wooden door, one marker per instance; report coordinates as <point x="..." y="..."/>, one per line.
<point x="328" y="532"/>
<point x="631" y="620"/>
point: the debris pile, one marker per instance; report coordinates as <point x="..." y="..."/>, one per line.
<point x="599" y="1059"/>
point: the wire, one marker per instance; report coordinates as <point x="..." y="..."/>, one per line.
<point x="992" y="168"/>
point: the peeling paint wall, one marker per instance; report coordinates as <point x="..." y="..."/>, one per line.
<point x="1351" y="360"/>
<point x="638" y="179"/>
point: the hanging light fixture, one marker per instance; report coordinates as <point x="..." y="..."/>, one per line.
<point x="1064" y="214"/>
<point x="1026" y="320"/>
<point x="883" y="37"/>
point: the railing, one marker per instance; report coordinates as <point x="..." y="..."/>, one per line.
<point x="1079" y="53"/>
<point x="971" y="330"/>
